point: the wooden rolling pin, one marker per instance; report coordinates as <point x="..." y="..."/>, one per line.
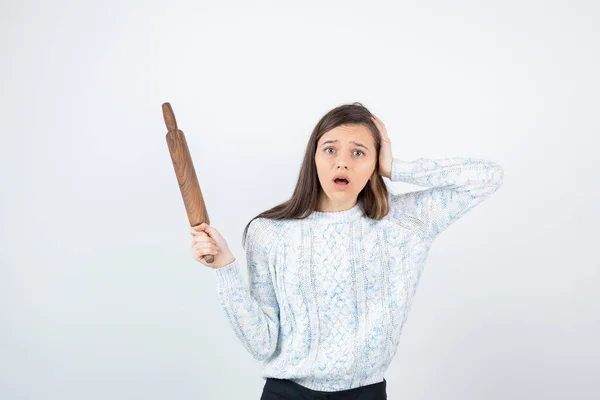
<point x="186" y="174"/>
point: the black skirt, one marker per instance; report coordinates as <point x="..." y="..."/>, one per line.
<point x="284" y="389"/>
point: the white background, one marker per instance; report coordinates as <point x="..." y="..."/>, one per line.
<point x="99" y="294"/>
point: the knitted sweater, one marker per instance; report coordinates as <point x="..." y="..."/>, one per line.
<point x="328" y="295"/>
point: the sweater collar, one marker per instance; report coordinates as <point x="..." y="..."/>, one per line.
<point x="350" y="214"/>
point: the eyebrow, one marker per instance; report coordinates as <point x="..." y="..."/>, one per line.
<point x="335" y="141"/>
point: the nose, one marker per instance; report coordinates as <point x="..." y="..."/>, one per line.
<point x="341" y="163"/>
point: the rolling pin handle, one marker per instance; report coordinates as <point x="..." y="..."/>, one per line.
<point x="169" y="117"/>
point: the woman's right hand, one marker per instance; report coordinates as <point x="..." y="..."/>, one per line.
<point x="208" y="240"/>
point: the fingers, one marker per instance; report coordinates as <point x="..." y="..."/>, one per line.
<point x="199" y="252"/>
<point x="206" y="247"/>
<point x="206" y="240"/>
<point x="200" y="230"/>
<point x="203" y="239"/>
<point x="202" y="243"/>
<point x="206" y="230"/>
<point x="380" y="125"/>
<point x="198" y="234"/>
<point x="203" y="228"/>
<point x="377" y="121"/>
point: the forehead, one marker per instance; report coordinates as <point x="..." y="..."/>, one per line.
<point x="350" y="132"/>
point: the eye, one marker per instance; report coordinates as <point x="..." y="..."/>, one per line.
<point x="360" y="151"/>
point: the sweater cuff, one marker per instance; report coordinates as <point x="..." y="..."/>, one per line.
<point x="228" y="276"/>
<point x="401" y="170"/>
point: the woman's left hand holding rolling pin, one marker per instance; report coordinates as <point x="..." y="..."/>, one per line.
<point x="208" y="240"/>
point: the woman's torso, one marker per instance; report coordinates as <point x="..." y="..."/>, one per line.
<point x="344" y="291"/>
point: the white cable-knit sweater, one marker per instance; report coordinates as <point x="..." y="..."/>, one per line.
<point x="329" y="294"/>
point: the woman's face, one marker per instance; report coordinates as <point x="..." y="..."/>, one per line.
<point x="347" y="150"/>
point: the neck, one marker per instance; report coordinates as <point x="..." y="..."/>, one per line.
<point x="325" y="204"/>
<point x="344" y="215"/>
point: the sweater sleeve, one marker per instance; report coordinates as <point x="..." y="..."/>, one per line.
<point x="252" y="311"/>
<point x="456" y="186"/>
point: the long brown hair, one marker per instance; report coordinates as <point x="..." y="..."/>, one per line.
<point x="373" y="199"/>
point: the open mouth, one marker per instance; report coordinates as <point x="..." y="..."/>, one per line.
<point x="341" y="182"/>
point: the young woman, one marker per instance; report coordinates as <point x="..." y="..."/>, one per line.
<point x="334" y="269"/>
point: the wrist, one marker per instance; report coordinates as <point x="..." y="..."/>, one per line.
<point x="227" y="261"/>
